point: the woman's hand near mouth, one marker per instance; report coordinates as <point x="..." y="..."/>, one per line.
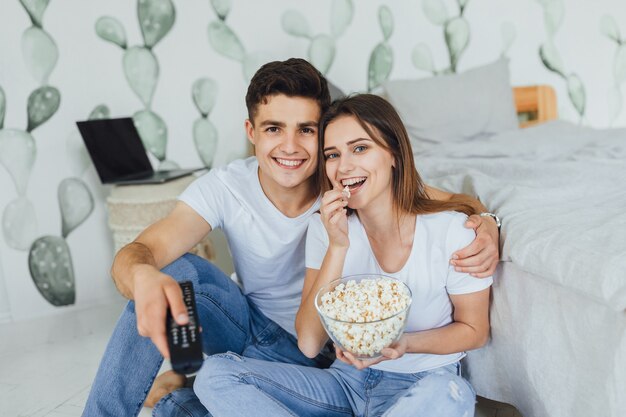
<point x="334" y="217"/>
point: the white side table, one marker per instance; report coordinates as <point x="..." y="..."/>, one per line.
<point x="132" y="208"/>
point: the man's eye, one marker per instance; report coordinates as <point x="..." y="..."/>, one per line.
<point x="360" y="148"/>
<point x="308" y="130"/>
<point x="331" y="156"/>
<point x="272" y="129"/>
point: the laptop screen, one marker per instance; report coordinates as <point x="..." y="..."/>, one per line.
<point x="115" y="148"/>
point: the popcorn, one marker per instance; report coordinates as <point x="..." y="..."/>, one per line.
<point x="346" y="192"/>
<point x="366" y="313"/>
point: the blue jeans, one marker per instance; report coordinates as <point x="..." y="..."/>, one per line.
<point x="229" y="323"/>
<point x="232" y="385"/>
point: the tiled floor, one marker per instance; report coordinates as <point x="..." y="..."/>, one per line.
<point x="47" y="365"/>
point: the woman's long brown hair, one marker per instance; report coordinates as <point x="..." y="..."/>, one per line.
<point x="383" y="124"/>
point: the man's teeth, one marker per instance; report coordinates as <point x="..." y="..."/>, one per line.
<point x="290" y="162"/>
<point x="351" y="181"/>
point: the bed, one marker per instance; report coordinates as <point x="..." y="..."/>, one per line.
<point x="558" y="340"/>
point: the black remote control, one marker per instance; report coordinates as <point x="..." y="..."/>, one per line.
<point x="185" y="342"/>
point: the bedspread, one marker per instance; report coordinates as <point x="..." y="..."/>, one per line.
<point x="560" y="190"/>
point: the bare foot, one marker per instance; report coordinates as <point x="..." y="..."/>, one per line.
<point x="164" y="384"/>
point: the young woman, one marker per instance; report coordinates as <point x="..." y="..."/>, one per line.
<point x="387" y="225"/>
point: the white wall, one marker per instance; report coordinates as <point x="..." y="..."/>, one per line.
<point x="89" y="72"/>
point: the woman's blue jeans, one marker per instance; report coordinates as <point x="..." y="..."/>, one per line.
<point x="231" y="385"/>
<point x="229" y="324"/>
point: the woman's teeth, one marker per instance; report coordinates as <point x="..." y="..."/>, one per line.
<point x="353" y="181"/>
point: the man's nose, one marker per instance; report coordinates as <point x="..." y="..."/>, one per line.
<point x="289" y="143"/>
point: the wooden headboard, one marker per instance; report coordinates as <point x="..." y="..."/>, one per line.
<point x="535" y="104"/>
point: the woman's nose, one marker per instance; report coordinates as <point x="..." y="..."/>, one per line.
<point x="345" y="163"/>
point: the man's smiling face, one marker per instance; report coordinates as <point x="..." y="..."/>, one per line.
<point x="284" y="132"/>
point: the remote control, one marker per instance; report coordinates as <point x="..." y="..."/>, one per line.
<point x="185" y="342"/>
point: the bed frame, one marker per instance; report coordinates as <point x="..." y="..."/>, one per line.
<point x="535" y="104"/>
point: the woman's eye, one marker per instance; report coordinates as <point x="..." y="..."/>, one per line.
<point x="359" y="148"/>
<point x="331" y="156"/>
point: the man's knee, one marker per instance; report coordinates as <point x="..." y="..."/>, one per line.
<point x="199" y="271"/>
<point x="185" y="268"/>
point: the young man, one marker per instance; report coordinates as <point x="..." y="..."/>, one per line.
<point x="263" y="205"/>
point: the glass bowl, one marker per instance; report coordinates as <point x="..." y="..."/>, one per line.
<point x="363" y="314"/>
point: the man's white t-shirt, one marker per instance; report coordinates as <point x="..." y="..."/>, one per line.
<point x="267" y="247"/>
<point x="427" y="272"/>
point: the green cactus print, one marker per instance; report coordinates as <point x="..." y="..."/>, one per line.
<point x="456" y="34"/>
<point x="40" y="53"/>
<point x="226" y="43"/>
<point x="3" y="107"/>
<point x="205" y="136"/>
<point x="381" y="58"/>
<point x="141" y="68"/>
<point x="42" y="104"/>
<point x="553" y="13"/>
<point x="35" y="10"/>
<point x="50" y="265"/>
<point x="609" y="28"/>
<point x="18" y="149"/>
<point x="75" y="203"/>
<point x="322" y="47"/>
<point x="49" y="257"/>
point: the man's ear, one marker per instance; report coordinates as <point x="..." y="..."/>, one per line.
<point x="249" y="131"/>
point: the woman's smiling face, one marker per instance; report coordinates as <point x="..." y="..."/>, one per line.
<point x="354" y="159"/>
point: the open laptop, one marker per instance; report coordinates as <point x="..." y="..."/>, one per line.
<point x="118" y="153"/>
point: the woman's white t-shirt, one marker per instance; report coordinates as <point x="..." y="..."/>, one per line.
<point x="267" y="247"/>
<point x="427" y="272"/>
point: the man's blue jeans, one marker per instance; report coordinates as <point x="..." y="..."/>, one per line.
<point x="229" y="324"/>
<point x="230" y="385"/>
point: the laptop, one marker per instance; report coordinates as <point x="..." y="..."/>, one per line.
<point x="118" y="153"/>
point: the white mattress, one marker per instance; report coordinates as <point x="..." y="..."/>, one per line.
<point x="558" y="317"/>
<point x="553" y="352"/>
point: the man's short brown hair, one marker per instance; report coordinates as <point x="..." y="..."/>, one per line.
<point x="294" y="77"/>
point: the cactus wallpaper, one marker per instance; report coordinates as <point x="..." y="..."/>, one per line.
<point x="180" y="69"/>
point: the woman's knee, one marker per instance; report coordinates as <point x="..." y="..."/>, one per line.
<point x="219" y="374"/>
<point x="443" y="394"/>
<point x="180" y="403"/>
<point x="454" y="394"/>
<point x="461" y="391"/>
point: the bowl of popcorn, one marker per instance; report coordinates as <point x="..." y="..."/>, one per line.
<point x="363" y="314"/>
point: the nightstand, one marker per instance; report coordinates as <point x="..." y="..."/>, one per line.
<point x="132" y="208"/>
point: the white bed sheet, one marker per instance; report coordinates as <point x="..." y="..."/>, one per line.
<point x="558" y="317"/>
<point x="560" y="190"/>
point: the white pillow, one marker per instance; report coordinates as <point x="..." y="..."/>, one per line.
<point x="455" y="108"/>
